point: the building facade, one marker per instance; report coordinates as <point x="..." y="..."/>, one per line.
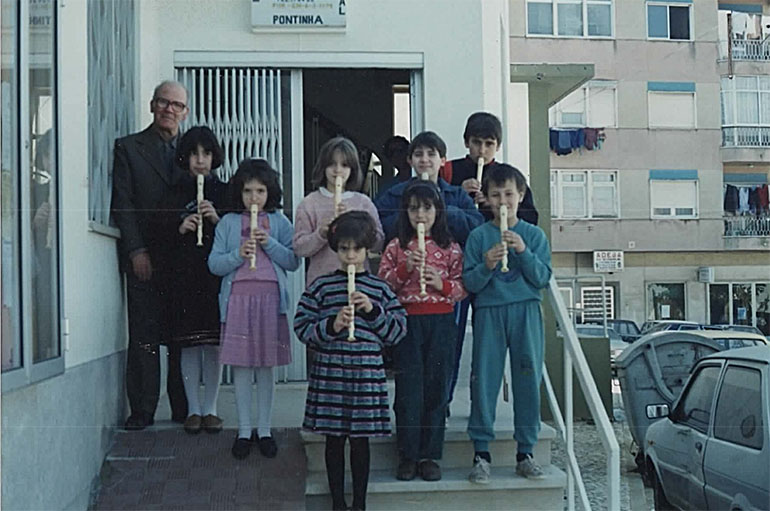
<point x="642" y="156"/>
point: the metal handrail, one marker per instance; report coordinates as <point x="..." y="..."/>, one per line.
<point x="574" y="357"/>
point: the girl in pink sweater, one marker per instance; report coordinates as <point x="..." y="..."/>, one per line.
<point x="424" y="359"/>
<point x="337" y="157"/>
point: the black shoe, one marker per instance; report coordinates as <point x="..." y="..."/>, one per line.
<point x="430" y="471"/>
<point x="267" y="447"/>
<point x="407" y="470"/>
<point x="241" y="448"/>
<point x="137" y="421"/>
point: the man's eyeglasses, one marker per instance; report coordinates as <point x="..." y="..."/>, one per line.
<point x="177" y="106"/>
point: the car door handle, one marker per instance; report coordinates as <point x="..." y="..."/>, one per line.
<point x="698" y="446"/>
<point x="683" y="431"/>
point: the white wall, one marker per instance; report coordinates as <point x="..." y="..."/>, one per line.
<point x="460" y="75"/>
<point x="93" y="300"/>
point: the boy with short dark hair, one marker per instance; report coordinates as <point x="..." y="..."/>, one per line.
<point x="426" y="155"/>
<point x="483" y="137"/>
<point x="506" y="318"/>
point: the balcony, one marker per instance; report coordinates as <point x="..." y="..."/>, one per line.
<point x="749" y="49"/>
<point x="745" y="136"/>
<point x="747" y="226"/>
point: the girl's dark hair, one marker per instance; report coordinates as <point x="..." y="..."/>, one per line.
<point x="499" y="173"/>
<point x="194" y="137"/>
<point x="259" y="169"/>
<point x="425" y="192"/>
<point x="356" y="226"/>
<point x="349" y="155"/>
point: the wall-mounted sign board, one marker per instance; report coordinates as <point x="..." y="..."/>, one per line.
<point x="298" y="15"/>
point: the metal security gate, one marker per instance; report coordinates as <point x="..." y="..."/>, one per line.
<point x="254" y="112"/>
<point x="242" y="106"/>
<point x="591" y="297"/>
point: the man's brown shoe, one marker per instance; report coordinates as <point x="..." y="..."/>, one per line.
<point x="193" y="424"/>
<point x="212" y="424"/>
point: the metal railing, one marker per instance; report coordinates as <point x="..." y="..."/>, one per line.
<point x="575" y="359"/>
<point x="749" y="49"/>
<point x="745" y="136"/>
<point x="749" y="225"/>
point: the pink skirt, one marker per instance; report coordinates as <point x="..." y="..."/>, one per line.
<point x="255" y="334"/>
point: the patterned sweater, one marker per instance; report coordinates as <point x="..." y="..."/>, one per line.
<point x="448" y="262"/>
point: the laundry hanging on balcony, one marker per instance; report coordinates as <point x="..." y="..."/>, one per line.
<point x="742" y="200"/>
<point x="564" y="141"/>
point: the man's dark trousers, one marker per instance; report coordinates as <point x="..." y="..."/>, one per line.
<point x="147" y="329"/>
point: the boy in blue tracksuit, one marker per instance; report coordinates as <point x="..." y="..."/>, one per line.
<point x="462" y="215"/>
<point x="506" y="318"/>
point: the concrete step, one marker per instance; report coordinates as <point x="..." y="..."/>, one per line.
<point x="504" y="491"/>
<point x="458" y="449"/>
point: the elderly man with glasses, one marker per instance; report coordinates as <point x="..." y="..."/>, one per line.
<point x="143" y="174"/>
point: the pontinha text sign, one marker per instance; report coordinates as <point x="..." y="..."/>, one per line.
<point x="288" y="15"/>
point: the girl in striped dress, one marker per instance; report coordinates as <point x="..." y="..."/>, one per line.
<point x="347" y="394"/>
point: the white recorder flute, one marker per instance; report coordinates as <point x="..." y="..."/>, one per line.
<point x="253" y="227"/>
<point x="337" y="193"/>
<point x="200" y="199"/>
<point x="351" y="290"/>
<point x="479" y="171"/>
<point x="503" y="228"/>
<point x="421" y="246"/>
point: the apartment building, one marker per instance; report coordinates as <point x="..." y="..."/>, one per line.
<point x="644" y="155"/>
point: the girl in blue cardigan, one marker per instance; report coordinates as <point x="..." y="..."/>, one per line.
<point x="253" y="301"/>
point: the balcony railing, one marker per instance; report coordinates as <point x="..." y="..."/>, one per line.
<point x="745" y="136"/>
<point x="746" y="226"/>
<point x="748" y="49"/>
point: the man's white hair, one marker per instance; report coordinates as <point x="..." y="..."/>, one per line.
<point x="166" y="83"/>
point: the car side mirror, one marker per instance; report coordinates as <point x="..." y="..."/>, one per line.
<point x="657" y="411"/>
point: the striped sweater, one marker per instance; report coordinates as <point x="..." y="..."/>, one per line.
<point x="347" y="392"/>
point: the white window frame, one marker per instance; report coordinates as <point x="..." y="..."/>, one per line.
<point x="555" y="17"/>
<point x="680" y="127"/>
<point x="675" y="216"/>
<point x="731" y="94"/>
<point x="557" y="193"/>
<point x="668" y="24"/>
<point x="29" y="371"/>
<point x="588" y="91"/>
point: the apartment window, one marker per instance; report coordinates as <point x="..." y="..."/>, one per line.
<point x="111" y="102"/>
<point x="593" y="105"/>
<point x="674" y="194"/>
<point x="665" y="301"/>
<point x="30" y="244"/>
<point x="570" y="18"/>
<point x="669" y="20"/>
<point x="671" y="105"/>
<point x="584" y="194"/>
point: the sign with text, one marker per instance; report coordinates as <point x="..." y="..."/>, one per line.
<point x="608" y="261"/>
<point x="291" y="15"/>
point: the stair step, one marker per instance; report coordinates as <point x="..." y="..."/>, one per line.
<point x="458" y="449"/>
<point x="504" y="491"/>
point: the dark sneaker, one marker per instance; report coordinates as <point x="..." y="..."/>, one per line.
<point x="407" y="470"/>
<point x="241" y="448"/>
<point x="192" y="424"/>
<point x="138" y="421"/>
<point x="430" y="471"/>
<point x="267" y="447"/>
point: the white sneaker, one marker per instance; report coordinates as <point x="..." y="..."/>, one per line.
<point x="529" y="469"/>
<point x="480" y="472"/>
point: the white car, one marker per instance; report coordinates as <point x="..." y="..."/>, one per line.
<point x="712" y="451"/>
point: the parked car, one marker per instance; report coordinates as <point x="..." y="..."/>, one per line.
<point x="617" y="344"/>
<point x="669" y="324"/>
<point x="627" y="329"/>
<point x="737" y="328"/>
<point x="731" y="339"/>
<point x="712" y="450"/>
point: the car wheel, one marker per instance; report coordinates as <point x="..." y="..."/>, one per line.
<point x="661" y="502"/>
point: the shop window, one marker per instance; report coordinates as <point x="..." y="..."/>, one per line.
<point x="112" y="101"/>
<point x="31" y="348"/>
<point x="740" y="303"/>
<point x="673" y="198"/>
<point x="738" y="417"/>
<point x="669" y="20"/>
<point x="584" y="194"/>
<point x="593" y="105"/>
<point x="570" y="18"/>
<point x="665" y="301"/>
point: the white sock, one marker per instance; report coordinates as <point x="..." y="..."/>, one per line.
<point x="242" y="381"/>
<point x="191" y="378"/>
<point x="265" y="392"/>
<point x="212" y="376"/>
